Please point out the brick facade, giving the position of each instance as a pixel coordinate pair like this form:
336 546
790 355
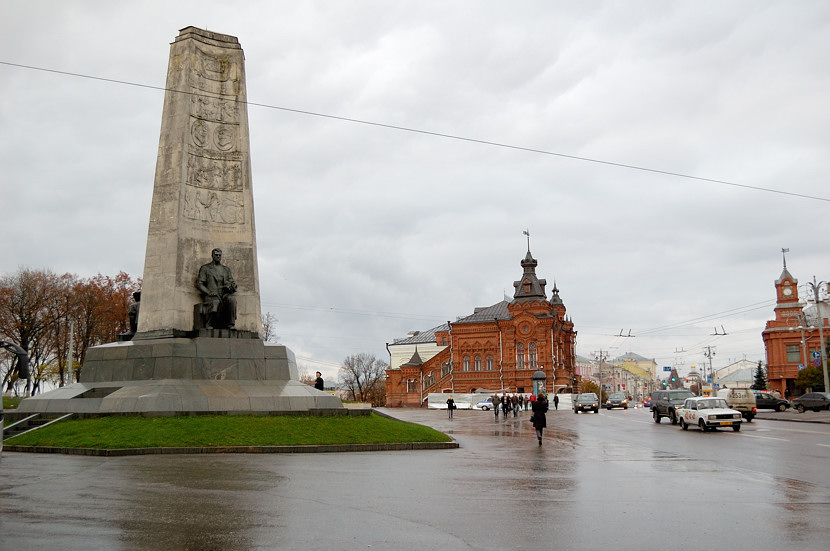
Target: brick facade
790 338
497 348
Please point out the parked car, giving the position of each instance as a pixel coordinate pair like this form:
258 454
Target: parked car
617 400
765 400
486 405
665 402
708 414
815 401
586 401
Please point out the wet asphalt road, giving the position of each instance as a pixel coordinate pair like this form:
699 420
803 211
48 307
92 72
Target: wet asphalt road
610 481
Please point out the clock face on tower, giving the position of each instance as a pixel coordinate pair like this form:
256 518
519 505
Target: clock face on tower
787 291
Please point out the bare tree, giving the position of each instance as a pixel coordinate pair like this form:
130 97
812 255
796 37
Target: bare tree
364 378
269 328
305 376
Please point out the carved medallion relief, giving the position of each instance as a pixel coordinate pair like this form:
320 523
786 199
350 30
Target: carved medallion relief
215 178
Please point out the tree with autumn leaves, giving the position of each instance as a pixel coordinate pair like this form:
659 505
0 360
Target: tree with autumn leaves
39 309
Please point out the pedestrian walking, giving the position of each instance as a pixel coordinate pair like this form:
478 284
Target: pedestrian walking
495 401
539 419
514 402
450 406
505 403
521 401
556 401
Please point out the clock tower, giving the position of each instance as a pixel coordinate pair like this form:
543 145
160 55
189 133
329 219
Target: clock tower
786 291
783 336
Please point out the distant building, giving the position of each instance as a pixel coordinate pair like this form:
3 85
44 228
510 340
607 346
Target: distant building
792 338
740 374
495 349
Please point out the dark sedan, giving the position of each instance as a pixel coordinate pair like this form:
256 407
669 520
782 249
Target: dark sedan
586 401
765 400
815 401
617 400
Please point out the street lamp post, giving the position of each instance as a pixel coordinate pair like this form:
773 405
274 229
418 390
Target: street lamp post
802 326
819 303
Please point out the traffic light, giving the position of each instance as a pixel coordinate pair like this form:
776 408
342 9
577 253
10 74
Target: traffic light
673 379
665 383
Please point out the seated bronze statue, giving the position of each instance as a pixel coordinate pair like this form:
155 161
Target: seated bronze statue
218 289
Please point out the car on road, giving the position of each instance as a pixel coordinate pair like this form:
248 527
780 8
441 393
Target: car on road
587 401
815 401
617 400
742 399
486 405
766 400
708 414
665 402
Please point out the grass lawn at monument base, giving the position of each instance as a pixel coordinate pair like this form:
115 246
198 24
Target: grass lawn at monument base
119 432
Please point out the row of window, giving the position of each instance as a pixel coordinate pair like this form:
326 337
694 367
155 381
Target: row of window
795 356
523 361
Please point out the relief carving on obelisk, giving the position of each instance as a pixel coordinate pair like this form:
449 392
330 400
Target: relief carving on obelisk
214 166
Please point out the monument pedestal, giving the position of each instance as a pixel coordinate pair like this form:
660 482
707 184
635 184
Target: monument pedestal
182 376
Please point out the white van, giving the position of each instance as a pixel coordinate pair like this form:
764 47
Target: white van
741 399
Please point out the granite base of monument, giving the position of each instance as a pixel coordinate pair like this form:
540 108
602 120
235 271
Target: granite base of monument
181 376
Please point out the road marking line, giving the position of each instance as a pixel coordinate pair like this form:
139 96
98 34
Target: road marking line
765 437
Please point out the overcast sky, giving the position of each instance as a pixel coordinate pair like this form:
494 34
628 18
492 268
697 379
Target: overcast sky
366 232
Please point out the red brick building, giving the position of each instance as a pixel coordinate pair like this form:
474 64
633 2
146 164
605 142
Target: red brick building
496 348
792 337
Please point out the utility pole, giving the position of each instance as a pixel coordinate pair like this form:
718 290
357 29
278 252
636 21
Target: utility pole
709 353
815 287
602 355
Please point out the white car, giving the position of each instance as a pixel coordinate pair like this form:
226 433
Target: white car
486 405
708 414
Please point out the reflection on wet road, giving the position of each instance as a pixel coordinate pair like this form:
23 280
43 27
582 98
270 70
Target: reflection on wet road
608 480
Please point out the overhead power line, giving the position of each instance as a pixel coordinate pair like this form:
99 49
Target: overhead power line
439 135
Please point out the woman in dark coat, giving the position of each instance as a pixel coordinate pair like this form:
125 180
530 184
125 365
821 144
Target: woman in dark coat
540 421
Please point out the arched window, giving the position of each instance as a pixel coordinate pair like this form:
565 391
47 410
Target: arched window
520 356
532 353
478 363
466 363
489 363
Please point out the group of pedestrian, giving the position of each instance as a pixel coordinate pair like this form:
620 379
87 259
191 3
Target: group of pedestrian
510 402
515 402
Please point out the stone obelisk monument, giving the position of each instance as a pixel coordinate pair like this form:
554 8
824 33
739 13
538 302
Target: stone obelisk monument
185 357
202 197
